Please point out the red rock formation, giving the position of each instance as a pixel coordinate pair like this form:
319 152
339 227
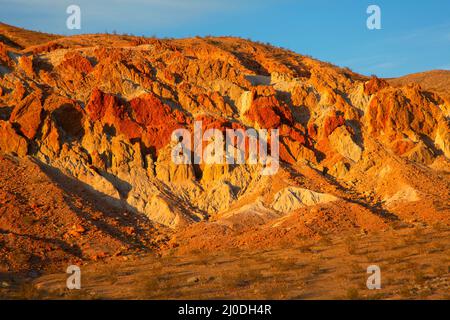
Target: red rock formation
100 103
268 112
5 60
331 123
75 62
26 63
27 115
157 119
147 118
374 85
395 112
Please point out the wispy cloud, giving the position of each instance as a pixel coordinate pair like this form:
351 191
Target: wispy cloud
432 33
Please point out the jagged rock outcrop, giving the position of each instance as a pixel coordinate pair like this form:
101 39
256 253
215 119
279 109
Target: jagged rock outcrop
27 115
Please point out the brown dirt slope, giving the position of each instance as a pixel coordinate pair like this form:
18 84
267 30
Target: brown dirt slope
48 221
19 38
435 80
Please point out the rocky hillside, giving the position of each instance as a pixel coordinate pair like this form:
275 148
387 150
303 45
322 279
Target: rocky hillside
357 153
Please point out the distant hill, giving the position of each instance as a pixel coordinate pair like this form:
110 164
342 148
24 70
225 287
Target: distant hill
435 80
19 38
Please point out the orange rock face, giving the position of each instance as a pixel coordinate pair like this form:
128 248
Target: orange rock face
145 118
394 113
100 104
75 62
331 123
5 60
27 115
157 119
267 111
374 85
27 65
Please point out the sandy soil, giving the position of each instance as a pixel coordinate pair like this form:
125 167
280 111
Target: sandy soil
414 264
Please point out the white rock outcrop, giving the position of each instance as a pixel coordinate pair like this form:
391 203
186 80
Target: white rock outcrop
293 198
342 142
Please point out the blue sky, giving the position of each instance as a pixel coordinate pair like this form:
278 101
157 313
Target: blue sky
415 35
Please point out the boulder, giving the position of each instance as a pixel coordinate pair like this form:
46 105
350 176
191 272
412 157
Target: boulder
27 115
